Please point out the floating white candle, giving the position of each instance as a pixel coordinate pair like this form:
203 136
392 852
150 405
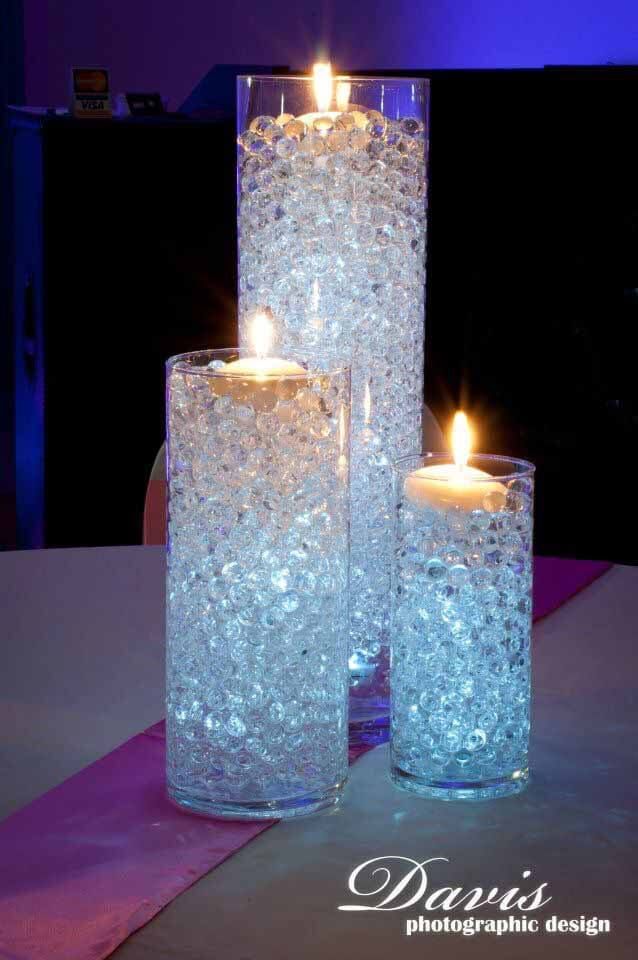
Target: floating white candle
262 378
449 486
323 121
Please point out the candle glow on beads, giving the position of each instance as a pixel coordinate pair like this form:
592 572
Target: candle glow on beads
257 581
332 229
461 624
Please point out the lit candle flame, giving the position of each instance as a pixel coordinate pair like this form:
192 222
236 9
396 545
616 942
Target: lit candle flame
343 95
461 440
261 334
322 83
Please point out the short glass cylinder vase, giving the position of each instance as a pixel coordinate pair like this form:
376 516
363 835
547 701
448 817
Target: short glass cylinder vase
332 232
461 627
257 584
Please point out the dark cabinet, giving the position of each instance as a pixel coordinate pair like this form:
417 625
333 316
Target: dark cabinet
124 242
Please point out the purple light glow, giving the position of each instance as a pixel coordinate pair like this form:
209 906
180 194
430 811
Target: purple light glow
150 45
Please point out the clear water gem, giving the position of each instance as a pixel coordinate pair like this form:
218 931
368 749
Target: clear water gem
260 124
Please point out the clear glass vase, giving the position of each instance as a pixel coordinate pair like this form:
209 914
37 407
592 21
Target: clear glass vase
257 600
332 230
461 628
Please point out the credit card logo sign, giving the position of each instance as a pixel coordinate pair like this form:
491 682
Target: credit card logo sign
90 95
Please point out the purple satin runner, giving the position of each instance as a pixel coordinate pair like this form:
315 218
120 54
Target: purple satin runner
94 859
556 580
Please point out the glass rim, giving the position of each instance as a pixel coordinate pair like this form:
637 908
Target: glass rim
230 353
528 469
368 78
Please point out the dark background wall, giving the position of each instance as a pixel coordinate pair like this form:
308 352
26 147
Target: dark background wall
150 44
11 91
533 248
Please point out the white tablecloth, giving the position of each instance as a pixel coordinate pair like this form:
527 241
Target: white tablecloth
81 669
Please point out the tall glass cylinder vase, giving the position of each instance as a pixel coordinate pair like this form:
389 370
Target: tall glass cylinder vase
257 602
332 230
461 627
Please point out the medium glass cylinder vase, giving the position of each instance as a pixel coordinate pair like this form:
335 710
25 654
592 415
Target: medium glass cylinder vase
257 601
332 230
461 627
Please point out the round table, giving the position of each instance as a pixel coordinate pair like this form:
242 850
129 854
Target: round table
81 670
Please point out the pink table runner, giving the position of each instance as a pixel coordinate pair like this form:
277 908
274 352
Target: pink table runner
94 859
556 580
